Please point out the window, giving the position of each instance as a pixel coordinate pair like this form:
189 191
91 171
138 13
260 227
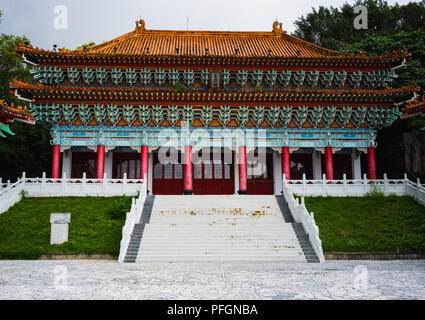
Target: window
168 171
227 171
218 171
197 171
207 170
158 171
178 171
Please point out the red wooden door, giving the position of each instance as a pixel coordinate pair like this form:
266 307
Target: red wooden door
126 162
167 177
301 163
213 176
83 162
260 175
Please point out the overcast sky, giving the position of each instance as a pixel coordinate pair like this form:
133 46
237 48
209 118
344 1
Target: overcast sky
102 20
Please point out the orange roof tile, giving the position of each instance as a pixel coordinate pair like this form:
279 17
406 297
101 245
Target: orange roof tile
218 43
10 112
416 107
194 43
152 94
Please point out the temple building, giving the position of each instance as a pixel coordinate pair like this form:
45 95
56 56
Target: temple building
263 103
11 113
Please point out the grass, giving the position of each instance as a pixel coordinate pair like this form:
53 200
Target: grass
372 223
96 225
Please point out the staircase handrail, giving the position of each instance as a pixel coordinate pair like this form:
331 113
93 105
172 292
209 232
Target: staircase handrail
131 219
301 215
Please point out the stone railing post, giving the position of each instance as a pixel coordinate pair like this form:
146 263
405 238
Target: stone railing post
63 184
365 182
324 185
84 183
43 182
23 179
104 187
344 181
124 183
418 188
385 184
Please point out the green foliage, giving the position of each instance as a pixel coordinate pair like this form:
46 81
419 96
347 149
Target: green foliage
369 223
389 28
25 227
29 149
11 65
375 193
179 87
90 44
333 27
120 207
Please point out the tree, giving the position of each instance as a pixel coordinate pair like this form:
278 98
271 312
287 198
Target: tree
389 28
333 28
29 149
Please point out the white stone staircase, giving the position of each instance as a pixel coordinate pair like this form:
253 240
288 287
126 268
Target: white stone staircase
220 228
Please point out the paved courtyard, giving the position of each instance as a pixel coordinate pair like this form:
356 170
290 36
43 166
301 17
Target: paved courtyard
86 279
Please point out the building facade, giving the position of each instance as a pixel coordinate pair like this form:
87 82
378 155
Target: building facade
210 112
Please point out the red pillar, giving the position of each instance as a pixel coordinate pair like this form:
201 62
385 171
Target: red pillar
144 162
371 165
243 186
286 167
56 155
188 183
329 163
100 164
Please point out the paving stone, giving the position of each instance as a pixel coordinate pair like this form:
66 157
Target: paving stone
87 279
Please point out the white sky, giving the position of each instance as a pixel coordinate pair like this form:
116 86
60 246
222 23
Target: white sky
102 20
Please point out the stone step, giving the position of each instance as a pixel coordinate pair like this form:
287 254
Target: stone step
220 258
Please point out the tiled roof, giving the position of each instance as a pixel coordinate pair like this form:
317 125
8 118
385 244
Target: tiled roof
143 42
139 94
8 113
215 43
416 107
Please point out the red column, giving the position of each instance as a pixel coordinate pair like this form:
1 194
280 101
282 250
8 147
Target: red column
188 184
371 165
286 167
329 163
56 155
144 162
243 186
100 164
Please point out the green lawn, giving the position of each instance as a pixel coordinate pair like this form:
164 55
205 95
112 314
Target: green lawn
346 224
369 223
95 226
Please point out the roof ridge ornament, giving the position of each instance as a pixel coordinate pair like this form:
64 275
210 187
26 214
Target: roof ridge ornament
140 25
277 28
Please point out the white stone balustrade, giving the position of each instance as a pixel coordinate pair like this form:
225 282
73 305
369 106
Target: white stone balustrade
132 217
66 187
358 188
301 215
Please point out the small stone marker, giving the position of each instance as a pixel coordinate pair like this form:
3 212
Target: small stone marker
59 230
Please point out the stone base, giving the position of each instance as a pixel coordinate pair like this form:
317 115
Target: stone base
243 191
187 191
